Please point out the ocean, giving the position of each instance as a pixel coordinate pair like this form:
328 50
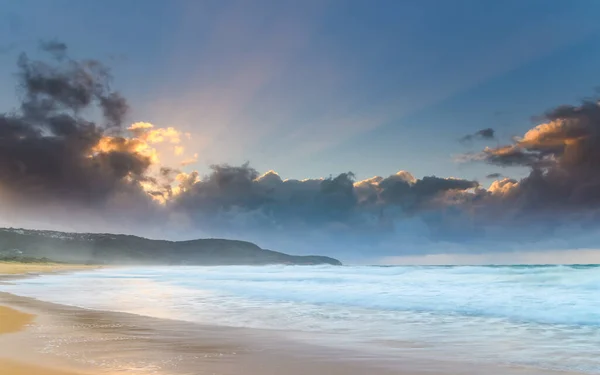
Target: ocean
544 317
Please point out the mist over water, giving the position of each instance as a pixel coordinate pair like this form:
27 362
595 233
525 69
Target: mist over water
539 316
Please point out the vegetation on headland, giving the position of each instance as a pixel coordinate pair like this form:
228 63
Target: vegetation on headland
95 248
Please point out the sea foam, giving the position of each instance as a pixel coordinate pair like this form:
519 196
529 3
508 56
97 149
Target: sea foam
541 316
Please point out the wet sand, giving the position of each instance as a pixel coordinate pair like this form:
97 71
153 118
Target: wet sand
51 339
107 342
13 321
8 367
13 324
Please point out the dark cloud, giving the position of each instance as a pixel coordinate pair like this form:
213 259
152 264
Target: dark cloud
235 200
54 47
564 156
494 175
415 194
484 134
49 151
114 109
510 156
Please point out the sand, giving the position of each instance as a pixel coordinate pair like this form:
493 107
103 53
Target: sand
13 321
101 342
8 367
15 268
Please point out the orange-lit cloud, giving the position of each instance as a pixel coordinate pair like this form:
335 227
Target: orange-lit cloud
109 144
555 133
150 134
184 182
503 187
145 140
189 161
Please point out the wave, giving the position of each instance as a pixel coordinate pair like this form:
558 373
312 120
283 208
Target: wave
548 313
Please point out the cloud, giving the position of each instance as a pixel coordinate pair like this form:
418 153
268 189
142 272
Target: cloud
564 156
47 149
510 156
413 194
67 154
50 152
503 187
189 161
147 132
56 48
237 200
494 175
483 134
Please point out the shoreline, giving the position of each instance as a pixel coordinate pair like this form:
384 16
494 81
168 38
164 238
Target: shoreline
13 324
15 270
91 339
16 342
81 341
69 340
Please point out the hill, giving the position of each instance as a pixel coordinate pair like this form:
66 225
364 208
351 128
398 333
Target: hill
97 248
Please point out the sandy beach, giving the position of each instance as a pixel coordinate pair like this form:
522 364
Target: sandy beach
77 341
8 367
13 322
12 269
50 339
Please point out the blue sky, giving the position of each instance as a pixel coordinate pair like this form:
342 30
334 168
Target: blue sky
315 88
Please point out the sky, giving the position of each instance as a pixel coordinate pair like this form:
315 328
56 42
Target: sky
314 89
